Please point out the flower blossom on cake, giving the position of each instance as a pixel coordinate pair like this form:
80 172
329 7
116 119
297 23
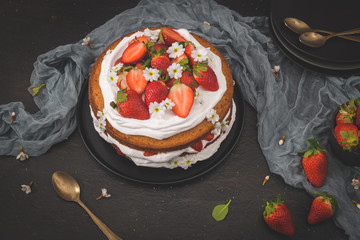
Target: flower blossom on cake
175 50
100 124
168 103
26 187
153 35
157 109
151 74
217 129
212 116
117 67
355 182
224 126
86 42
276 70
186 161
22 156
175 70
113 77
200 54
104 194
101 114
198 96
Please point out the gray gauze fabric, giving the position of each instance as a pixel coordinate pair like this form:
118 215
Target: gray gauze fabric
298 104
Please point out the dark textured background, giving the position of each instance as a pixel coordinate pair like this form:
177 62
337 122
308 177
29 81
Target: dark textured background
135 211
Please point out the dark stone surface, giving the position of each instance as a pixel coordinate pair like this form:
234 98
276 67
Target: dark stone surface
134 211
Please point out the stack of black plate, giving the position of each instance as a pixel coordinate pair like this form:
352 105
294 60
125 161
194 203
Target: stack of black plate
338 56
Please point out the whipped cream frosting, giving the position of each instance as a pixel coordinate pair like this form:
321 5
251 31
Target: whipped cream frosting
169 124
183 158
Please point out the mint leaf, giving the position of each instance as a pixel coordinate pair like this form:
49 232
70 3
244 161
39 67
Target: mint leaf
220 211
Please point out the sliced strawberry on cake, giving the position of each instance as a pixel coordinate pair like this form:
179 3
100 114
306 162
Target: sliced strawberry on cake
197 146
168 36
205 76
188 79
135 79
131 105
189 47
183 97
134 53
155 91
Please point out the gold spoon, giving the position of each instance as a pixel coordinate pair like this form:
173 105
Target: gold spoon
314 39
300 27
68 189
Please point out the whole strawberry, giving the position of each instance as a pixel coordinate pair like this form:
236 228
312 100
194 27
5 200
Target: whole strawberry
155 91
346 113
278 217
322 208
131 105
347 135
315 163
159 60
205 76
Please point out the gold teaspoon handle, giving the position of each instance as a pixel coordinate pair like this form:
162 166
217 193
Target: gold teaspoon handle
108 233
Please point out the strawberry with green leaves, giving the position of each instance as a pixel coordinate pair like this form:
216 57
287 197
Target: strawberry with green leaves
205 76
346 113
347 136
131 105
278 217
159 60
315 163
322 208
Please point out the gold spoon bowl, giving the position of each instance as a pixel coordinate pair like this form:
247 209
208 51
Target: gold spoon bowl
69 190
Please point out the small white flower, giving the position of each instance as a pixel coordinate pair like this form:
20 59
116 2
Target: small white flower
175 70
212 116
207 23
224 126
104 194
186 161
356 183
276 70
200 54
168 103
86 41
22 156
153 35
113 77
100 124
198 96
175 50
157 110
217 129
117 67
151 74
108 52
101 114
26 188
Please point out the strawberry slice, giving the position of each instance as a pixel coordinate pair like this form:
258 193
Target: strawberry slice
118 151
197 146
183 97
134 53
155 91
205 76
136 80
188 49
168 36
182 60
121 83
148 154
209 137
118 61
131 105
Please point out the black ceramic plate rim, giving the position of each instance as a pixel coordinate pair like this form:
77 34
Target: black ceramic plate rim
311 63
214 161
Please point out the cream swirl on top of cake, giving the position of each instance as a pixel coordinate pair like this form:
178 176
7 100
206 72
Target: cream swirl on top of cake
169 124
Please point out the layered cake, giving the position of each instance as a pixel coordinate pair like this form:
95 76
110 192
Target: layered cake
162 97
